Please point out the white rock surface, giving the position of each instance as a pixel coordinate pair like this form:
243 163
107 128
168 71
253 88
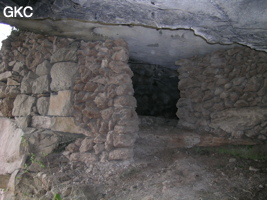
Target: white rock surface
10 146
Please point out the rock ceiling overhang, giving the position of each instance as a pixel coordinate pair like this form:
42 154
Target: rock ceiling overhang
157 31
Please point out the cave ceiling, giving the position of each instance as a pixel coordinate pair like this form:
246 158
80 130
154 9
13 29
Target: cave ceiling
157 31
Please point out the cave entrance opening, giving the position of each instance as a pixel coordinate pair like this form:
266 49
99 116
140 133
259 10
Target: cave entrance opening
155 89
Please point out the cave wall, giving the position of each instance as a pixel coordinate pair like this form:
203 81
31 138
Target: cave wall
52 85
155 89
225 93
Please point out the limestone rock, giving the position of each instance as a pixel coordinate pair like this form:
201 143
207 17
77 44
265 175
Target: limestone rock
86 145
238 119
42 105
23 105
12 91
122 101
43 68
10 81
23 122
11 157
4 76
65 54
65 124
41 85
99 148
72 148
107 113
43 122
60 104
27 82
6 107
43 141
18 67
63 75
121 55
120 79
253 85
125 89
2 91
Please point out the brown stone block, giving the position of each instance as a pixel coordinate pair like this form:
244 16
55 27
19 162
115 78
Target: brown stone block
23 105
6 106
109 141
120 67
72 148
79 97
107 113
124 114
86 145
99 148
91 113
128 101
86 75
111 91
60 104
101 101
120 79
41 122
90 87
79 87
94 126
12 91
88 158
126 89
104 128
65 124
79 106
4 76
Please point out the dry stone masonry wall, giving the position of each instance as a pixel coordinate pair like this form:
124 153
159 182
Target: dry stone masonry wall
62 85
104 102
225 93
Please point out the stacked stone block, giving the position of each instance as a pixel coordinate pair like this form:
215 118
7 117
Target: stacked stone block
104 103
71 86
225 93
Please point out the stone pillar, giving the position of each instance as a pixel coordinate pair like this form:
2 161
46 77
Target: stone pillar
104 103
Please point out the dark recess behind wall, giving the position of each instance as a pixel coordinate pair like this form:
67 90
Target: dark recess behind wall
156 89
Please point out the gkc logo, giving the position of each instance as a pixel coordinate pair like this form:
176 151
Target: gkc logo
17 11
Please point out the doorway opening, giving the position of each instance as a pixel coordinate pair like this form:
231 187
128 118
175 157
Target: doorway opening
155 89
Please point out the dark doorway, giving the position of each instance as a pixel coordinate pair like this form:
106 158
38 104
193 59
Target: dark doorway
156 89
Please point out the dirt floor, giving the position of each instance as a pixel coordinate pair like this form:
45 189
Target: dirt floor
198 173
157 173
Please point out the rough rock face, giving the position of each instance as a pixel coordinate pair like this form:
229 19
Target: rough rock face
224 22
225 92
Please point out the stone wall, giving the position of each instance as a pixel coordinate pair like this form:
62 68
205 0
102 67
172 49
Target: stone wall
155 89
225 93
71 86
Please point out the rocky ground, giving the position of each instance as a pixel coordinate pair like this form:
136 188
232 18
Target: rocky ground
157 173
